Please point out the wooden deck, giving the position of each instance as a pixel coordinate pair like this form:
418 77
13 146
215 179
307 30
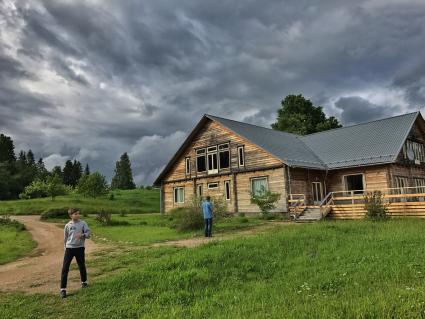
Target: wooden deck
400 202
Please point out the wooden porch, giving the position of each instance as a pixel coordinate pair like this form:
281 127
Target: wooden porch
400 202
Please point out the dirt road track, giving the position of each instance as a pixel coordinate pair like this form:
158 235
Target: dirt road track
40 272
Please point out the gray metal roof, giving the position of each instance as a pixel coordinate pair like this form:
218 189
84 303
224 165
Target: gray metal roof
362 144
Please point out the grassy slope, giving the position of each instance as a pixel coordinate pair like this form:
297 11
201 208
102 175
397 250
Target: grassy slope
14 243
327 270
131 201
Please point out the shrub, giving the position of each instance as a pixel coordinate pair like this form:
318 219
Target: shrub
111 196
265 200
219 208
5 220
243 220
123 213
241 214
187 218
149 188
52 187
105 219
54 213
375 207
93 185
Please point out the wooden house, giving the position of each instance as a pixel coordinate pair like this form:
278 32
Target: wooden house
328 171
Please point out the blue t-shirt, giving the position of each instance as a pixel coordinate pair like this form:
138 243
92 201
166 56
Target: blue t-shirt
207 209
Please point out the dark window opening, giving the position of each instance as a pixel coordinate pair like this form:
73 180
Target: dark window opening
354 183
224 159
200 164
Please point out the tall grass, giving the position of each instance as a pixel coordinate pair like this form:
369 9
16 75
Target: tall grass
357 269
129 201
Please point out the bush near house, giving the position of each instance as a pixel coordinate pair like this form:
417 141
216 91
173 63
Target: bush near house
375 207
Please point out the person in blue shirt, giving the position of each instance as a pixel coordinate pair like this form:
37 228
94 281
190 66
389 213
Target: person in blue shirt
207 209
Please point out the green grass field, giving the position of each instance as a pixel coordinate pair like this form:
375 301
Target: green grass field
356 269
145 229
14 243
131 201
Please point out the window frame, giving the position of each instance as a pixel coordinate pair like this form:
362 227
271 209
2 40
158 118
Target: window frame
175 197
356 192
212 183
227 149
242 147
256 178
227 190
187 165
202 152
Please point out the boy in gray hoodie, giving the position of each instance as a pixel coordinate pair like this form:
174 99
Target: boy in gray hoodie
75 233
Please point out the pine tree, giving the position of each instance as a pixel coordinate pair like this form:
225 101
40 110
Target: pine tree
123 178
42 172
7 149
67 173
87 170
77 172
57 170
30 158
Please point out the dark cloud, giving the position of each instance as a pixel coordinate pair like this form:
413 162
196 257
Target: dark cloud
92 80
358 110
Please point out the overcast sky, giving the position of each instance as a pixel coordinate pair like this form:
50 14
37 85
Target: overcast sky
93 79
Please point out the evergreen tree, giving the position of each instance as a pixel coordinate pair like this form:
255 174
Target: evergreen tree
7 149
57 170
67 173
30 158
42 172
123 178
77 172
298 115
87 170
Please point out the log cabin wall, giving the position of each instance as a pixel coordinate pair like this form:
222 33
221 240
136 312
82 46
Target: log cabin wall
257 163
214 134
374 177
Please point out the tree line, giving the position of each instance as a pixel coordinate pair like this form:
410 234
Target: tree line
23 177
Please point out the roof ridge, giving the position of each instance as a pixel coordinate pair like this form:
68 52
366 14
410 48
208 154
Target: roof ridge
378 120
266 128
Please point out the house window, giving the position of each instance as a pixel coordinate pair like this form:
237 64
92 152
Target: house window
354 183
212 163
179 195
212 185
227 189
199 190
187 165
401 182
259 185
414 151
420 184
241 156
201 161
224 156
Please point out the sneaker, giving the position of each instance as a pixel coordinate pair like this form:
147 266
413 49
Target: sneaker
63 294
84 285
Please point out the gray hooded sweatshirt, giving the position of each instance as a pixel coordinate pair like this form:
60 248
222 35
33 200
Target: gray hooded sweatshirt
70 231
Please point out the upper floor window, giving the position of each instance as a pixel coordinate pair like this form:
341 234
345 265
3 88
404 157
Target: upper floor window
414 151
187 164
241 156
224 156
201 160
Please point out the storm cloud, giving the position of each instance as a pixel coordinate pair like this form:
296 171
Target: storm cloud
93 79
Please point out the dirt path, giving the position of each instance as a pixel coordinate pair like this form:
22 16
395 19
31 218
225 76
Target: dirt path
40 272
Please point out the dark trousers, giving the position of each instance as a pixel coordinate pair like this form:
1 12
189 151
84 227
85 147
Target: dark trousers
70 253
208 227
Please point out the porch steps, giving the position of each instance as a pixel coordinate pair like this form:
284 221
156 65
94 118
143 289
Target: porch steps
310 214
